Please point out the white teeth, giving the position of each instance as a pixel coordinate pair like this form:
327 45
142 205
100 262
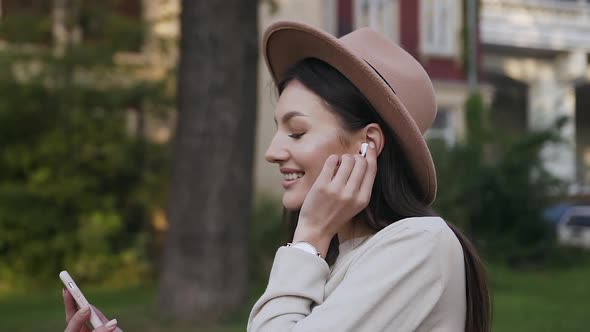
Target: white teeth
292 176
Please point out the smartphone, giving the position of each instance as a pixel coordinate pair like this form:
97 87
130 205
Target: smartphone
70 284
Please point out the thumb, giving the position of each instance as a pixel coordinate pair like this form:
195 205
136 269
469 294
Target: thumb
100 315
109 326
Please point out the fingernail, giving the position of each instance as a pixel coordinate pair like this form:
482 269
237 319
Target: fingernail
111 325
372 145
85 309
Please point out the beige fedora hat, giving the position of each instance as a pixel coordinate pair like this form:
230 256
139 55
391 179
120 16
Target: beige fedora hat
395 84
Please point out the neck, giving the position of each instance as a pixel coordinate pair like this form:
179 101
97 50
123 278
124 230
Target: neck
353 229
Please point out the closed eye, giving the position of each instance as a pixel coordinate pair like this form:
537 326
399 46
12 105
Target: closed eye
296 135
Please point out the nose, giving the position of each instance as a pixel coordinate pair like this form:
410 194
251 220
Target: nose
276 152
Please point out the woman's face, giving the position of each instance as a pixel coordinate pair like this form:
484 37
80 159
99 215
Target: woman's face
307 134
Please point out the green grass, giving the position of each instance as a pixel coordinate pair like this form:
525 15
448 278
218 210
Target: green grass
548 300
134 308
554 300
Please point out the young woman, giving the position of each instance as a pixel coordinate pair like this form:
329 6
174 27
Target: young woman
368 253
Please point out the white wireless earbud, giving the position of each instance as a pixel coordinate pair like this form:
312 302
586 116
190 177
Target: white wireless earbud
364 147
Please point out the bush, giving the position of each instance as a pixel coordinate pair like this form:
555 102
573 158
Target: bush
76 188
495 187
26 28
106 30
268 233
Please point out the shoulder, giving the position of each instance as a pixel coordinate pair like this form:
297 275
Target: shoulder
425 238
423 249
428 227
431 224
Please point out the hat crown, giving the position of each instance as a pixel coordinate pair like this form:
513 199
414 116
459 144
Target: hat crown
400 70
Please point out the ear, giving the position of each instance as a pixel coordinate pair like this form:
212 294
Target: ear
374 134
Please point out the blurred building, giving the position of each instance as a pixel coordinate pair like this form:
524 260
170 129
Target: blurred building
148 52
535 53
532 57
430 30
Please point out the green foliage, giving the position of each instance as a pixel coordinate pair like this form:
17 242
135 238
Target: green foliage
77 189
108 31
494 187
268 233
26 28
102 29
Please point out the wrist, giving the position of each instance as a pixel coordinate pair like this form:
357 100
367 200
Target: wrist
320 241
305 246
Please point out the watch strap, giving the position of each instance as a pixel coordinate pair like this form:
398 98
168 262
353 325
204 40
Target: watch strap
305 246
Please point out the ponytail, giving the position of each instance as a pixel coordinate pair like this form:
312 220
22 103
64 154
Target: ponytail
479 309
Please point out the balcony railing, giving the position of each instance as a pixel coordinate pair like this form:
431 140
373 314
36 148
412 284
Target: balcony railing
543 24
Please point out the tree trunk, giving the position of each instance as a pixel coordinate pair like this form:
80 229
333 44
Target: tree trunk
204 267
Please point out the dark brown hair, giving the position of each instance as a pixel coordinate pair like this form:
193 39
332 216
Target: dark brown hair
395 193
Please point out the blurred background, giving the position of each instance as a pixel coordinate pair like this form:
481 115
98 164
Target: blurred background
132 135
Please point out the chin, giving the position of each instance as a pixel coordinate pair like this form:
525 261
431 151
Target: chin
290 202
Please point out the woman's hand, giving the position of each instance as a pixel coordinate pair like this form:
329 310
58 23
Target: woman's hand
77 319
338 194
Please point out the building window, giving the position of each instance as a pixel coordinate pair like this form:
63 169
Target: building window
379 15
440 23
443 127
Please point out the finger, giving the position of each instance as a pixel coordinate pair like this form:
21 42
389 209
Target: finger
107 327
70 305
369 179
343 173
328 170
357 175
78 321
100 315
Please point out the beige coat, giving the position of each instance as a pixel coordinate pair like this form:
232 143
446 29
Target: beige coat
410 276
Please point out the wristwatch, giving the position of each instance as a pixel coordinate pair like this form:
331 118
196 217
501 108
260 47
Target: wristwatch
305 246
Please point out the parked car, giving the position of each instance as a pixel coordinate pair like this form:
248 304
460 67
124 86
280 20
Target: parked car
552 214
574 227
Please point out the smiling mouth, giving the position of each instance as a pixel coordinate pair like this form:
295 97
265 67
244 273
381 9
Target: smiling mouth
292 176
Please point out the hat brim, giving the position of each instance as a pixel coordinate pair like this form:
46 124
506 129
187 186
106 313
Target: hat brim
286 42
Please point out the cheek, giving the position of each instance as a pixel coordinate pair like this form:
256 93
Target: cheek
314 155
311 156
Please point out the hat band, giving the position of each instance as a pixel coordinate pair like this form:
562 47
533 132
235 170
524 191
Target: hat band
384 80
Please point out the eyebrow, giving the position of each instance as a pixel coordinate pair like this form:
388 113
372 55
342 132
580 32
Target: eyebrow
289 115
